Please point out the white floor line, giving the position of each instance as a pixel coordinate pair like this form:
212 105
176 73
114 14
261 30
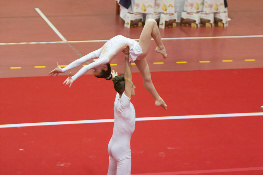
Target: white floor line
207 171
215 37
165 39
50 24
137 119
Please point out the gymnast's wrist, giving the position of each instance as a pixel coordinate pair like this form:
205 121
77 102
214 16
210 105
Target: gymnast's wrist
74 77
63 70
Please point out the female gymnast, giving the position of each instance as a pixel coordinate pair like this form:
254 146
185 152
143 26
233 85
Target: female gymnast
137 53
124 123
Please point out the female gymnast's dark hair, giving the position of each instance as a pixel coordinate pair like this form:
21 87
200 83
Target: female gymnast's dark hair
106 73
119 83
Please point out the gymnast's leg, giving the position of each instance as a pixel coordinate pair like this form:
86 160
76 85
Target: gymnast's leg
124 166
151 30
148 84
112 170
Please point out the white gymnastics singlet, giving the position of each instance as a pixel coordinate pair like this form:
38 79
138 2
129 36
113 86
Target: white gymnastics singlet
119 145
116 42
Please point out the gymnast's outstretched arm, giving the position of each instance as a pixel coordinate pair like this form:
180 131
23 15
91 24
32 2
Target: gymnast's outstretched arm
96 54
102 60
80 61
76 63
98 62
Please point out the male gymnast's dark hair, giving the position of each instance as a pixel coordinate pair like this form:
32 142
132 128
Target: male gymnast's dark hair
119 83
106 73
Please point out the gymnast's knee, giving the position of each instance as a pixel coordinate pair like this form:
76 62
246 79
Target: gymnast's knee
147 78
151 22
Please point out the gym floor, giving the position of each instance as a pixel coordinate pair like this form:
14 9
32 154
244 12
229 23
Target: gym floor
211 82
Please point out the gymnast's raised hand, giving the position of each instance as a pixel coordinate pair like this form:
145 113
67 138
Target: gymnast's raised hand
69 80
56 71
114 74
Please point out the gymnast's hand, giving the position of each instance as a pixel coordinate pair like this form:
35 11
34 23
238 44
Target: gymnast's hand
69 80
56 71
114 74
126 50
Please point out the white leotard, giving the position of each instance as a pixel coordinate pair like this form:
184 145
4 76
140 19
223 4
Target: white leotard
119 145
118 41
105 53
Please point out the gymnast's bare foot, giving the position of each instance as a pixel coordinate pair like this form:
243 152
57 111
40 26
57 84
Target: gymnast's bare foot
160 102
162 51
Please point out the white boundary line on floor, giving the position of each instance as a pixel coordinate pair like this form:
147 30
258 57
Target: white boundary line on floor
207 171
50 24
165 39
137 119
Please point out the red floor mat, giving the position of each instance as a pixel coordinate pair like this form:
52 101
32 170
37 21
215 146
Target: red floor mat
39 99
157 146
